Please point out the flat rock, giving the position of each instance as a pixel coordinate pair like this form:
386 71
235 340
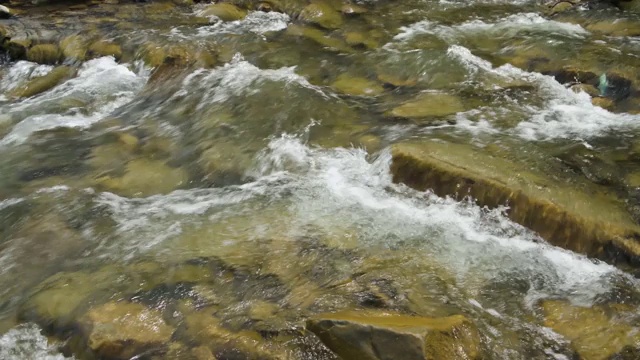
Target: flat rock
430 104
376 335
583 218
321 14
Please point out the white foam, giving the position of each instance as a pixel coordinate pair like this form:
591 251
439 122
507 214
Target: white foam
236 78
565 114
26 342
257 22
506 27
10 202
102 84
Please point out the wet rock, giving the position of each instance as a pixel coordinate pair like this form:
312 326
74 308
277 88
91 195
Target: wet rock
353 9
617 27
319 37
146 177
321 14
123 330
430 104
560 6
357 86
395 80
105 48
381 335
586 88
360 39
43 83
596 333
5 12
224 11
588 162
74 48
603 102
44 54
582 218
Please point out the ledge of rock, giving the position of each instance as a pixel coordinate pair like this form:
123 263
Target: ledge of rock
586 220
380 335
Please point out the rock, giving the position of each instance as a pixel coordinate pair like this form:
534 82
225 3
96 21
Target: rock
430 104
619 27
380 335
105 48
146 177
561 6
357 86
596 333
353 9
224 11
74 48
603 102
43 83
5 12
44 54
360 39
321 14
319 37
580 217
395 80
586 88
123 330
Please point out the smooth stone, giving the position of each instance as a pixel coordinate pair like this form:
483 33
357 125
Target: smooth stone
43 83
603 102
44 54
5 12
352 9
321 14
74 47
428 104
561 7
224 11
319 37
595 333
586 88
124 330
397 80
105 48
619 27
586 219
357 86
360 39
145 177
373 335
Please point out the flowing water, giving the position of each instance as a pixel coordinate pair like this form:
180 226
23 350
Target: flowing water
247 181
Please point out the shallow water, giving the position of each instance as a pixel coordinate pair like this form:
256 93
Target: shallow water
130 183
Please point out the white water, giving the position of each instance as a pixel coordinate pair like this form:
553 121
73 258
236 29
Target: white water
25 342
101 86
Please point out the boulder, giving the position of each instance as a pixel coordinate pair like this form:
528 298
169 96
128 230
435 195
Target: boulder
44 54
123 330
43 83
5 12
358 86
321 14
596 333
74 48
384 336
582 217
319 37
105 48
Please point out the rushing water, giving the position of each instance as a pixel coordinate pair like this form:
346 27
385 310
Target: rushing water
120 178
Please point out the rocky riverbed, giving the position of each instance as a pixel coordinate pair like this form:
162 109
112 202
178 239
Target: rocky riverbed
321 179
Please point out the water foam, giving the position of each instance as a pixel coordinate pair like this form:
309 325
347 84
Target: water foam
102 85
20 72
26 342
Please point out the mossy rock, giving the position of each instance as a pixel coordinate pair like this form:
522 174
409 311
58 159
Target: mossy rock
43 83
429 104
617 27
145 177
44 54
105 48
321 14
224 12
372 335
358 86
596 333
74 48
320 37
582 217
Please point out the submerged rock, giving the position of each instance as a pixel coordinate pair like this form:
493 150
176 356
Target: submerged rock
358 86
583 218
44 54
382 336
146 177
43 83
596 333
74 48
224 11
321 14
428 104
122 330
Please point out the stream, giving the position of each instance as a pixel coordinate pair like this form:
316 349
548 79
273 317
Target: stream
185 181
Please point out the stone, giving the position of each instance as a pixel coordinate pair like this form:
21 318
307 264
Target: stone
43 83
603 102
105 48
145 177
619 27
353 9
319 37
44 54
357 86
581 217
224 12
596 333
561 6
74 48
123 330
377 335
321 14
5 12
586 88
430 104
395 80
354 38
